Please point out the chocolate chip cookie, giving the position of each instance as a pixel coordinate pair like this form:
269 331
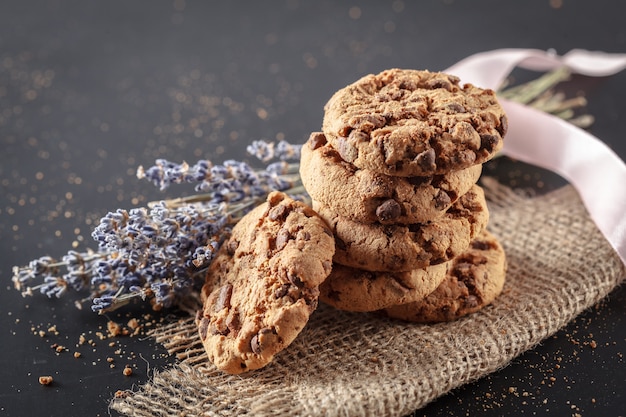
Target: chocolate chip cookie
367 197
414 123
376 247
352 289
475 278
263 284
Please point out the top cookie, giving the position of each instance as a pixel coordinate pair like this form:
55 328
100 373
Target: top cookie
368 197
414 123
263 284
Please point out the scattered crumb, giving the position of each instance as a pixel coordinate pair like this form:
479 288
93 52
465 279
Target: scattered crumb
45 380
77 355
128 371
122 394
115 329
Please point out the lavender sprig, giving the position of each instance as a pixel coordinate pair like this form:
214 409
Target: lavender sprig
266 151
78 266
231 182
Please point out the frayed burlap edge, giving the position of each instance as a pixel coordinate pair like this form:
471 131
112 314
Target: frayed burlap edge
350 364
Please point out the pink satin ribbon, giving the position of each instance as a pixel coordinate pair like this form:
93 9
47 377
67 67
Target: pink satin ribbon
540 139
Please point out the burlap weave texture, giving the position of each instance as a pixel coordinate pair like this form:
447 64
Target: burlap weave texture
356 364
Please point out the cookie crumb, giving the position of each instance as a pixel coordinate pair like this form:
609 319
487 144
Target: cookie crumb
128 371
122 394
45 380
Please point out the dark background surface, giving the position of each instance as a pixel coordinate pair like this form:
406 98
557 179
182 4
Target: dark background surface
90 90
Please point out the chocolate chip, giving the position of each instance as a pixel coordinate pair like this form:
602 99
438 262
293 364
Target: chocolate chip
463 269
418 181
489 142
223 298
348 152
345 131
282 291
426 160
366 123
407 85
442 200
256 344
295 280
388 210
316 140
504 125
202 327
447 84
456 107
282 238
278 213
232 321
219 329
389 95
481 245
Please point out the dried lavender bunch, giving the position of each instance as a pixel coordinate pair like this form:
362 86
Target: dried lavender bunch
160 253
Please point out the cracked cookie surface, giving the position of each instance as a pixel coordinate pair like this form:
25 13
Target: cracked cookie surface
263 284
474 279
376 247
368 197
414 123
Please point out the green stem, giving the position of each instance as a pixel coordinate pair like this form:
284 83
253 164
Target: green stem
527 92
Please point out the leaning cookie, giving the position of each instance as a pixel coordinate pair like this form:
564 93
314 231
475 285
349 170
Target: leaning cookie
376 247
367 197
352 289
414 123
263 284
475 278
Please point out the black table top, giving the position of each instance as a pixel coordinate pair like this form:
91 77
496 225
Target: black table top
90 90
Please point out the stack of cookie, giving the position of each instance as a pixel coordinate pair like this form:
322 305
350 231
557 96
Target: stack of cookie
394 174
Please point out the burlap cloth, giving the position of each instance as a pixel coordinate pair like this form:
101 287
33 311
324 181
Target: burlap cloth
348 364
